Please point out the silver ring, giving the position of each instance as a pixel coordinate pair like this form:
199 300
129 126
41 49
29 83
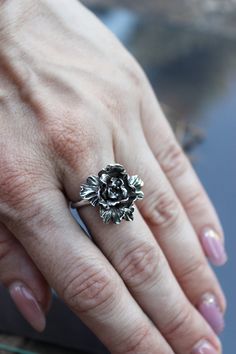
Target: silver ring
113 191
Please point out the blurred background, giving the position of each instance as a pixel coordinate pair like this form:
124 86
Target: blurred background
188 50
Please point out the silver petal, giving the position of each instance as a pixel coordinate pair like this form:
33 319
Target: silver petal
128 214
135 181
105 215
90 193
93 180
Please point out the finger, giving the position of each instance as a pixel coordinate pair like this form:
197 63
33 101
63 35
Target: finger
27 286
81 274
168 221
132 250
183 178
176 236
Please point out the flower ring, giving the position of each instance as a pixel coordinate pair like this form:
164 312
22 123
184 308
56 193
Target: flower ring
113 191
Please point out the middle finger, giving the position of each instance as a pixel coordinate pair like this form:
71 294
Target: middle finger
133 251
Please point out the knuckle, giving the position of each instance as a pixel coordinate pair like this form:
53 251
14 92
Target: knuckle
172 159
194 202
137 342
16 185
30 214
71 140
25 187
160 209
92 288
195 270
140 265
180 324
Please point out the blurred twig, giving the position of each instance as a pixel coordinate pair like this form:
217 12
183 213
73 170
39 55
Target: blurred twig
187 134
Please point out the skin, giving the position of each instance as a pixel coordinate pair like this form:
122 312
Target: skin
72 100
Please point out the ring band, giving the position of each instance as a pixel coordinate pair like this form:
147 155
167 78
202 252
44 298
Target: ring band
113 191
79 204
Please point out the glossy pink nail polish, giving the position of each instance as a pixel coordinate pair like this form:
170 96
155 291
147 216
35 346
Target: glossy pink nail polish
210 310
28 305
213 246
204 347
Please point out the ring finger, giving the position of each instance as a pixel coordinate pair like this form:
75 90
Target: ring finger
182 177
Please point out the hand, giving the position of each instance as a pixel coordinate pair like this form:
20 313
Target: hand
72 101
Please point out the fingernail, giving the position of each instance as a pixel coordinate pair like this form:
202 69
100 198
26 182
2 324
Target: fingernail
204 347
214 247
210 310
28 305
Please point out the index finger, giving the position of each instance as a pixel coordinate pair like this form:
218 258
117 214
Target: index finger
82 276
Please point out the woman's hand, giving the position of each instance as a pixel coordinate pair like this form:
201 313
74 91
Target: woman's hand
72 100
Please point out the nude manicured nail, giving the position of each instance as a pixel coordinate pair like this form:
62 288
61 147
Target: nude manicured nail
204 347
28 305
210 310
214 247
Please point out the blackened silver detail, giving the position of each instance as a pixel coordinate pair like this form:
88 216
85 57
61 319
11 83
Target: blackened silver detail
114 192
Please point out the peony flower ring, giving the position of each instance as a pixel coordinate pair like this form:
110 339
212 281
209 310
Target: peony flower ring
113 191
